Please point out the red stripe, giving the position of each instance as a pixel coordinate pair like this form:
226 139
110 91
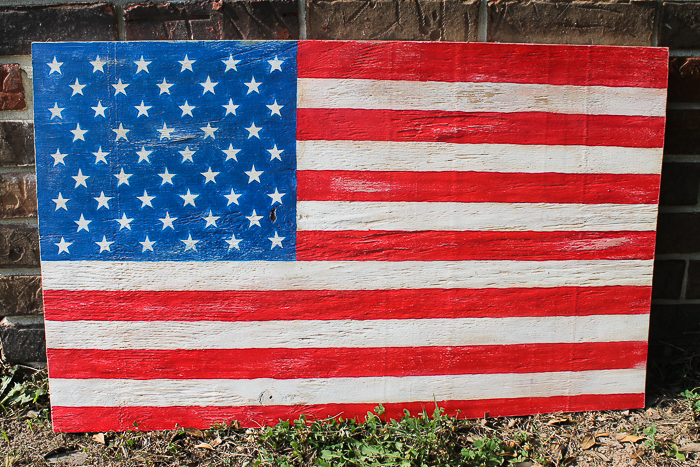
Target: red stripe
512 63
477 187
92 419
317 245
343 362
480 128
64 305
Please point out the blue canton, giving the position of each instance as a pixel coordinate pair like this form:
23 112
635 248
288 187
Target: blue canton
166 151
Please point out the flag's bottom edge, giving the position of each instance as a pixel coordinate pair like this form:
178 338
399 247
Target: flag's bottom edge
94 419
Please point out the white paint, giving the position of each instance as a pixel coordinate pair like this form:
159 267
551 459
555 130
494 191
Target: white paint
298 334
326 93
416 216
339 275
219 392
508 158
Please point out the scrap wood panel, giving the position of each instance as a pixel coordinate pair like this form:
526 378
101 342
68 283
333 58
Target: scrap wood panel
254 231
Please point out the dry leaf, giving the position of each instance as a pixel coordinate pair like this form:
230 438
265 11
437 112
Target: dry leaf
598 435
235 425
194 432
630 439
216 442
637 454
205 446
99 438
559 420
512 422
690 447
588 442
620 436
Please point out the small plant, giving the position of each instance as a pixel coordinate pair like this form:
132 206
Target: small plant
22 388
650 433
693 398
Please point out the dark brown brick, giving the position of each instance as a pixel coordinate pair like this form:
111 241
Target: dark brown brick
19 246
11 88
20 295
675 324
678 233
18 195
668 278
22 25
684 79
23 343
582 22
679 25
16 143
682 131
213 20
679 184
427 20
692 289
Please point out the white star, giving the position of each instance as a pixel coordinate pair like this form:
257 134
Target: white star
58 158
120 88
124 222
165 131
102 200
147 245
187 154
276 241
80 179
275 108
98 65
253 131
231 153
233 242
55 68
61 202
254 175
187 109
143 154
253 86
188 198
78 133
208 86
232 198
209 131
189 243
209 176
104 244
211 220
141 65
143 109
77 88
123 177
230 63
167 177
275 64
145 199
100 156
56 111
164 87
186 64
276 197
275 153
63 245
121 132
254 219
168 221
99 109
82 224
230 107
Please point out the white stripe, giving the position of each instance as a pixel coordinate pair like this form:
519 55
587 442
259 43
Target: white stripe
297 334
339 275
510 158
412 216
267 391
479 97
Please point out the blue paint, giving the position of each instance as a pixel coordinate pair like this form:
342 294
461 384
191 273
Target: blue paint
53 132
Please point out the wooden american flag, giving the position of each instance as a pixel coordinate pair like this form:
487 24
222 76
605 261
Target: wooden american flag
326 226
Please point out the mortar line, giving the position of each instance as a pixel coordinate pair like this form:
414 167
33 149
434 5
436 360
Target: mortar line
482 22
657 25
301 7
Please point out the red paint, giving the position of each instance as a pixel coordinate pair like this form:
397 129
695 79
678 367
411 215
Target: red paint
92 419
477 187
464 246
480 127
500 63
343 362
64 305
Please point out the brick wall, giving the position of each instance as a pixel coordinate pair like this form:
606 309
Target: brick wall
676 294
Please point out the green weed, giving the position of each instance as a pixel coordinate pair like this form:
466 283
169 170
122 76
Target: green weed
693 398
